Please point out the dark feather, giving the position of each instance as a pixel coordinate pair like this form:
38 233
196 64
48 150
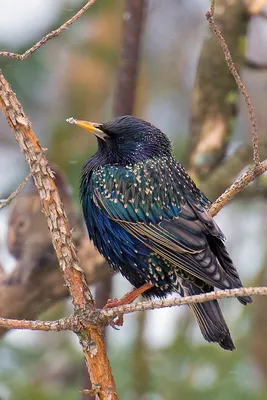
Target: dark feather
209 318
151 222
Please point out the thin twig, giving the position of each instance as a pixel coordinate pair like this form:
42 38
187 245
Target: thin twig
212 7
49 36
63 324
249 176
178 301
73 323
5 202
242 88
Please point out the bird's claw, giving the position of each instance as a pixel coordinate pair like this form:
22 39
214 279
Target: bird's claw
112 303
117 321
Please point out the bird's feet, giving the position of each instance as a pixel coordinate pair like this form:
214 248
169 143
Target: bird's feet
126 299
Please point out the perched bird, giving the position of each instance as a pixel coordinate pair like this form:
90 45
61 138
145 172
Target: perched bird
150 221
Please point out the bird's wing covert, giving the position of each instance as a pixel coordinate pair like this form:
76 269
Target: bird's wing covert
159 204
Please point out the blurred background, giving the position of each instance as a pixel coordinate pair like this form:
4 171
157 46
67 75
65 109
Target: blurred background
184 88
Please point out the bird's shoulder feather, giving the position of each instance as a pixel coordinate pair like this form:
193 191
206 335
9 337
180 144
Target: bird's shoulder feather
158 204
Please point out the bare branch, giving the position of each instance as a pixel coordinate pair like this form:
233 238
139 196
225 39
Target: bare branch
212 7
63 324
49 36
254 172
4 203
96 357
73 323
178 301
233 70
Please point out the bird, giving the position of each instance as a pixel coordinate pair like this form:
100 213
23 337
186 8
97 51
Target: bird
28 237
149 220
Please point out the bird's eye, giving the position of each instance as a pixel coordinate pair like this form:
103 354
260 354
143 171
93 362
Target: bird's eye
120 139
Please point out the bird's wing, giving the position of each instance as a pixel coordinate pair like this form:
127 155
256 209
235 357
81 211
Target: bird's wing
159 204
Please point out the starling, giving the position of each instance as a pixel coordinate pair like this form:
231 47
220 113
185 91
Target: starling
149 220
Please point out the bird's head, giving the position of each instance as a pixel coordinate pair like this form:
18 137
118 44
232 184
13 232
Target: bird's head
128 139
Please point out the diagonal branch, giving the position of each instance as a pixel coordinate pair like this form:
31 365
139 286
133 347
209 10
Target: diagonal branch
4 203
96 357
249 176
243 90
49 36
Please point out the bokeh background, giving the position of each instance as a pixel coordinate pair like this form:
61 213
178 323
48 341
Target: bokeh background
157 355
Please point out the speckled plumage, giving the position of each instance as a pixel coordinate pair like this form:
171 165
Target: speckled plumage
150 221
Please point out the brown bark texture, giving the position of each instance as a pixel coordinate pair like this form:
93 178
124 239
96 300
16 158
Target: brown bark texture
95 355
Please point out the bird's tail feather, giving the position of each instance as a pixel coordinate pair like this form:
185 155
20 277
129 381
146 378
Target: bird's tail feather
218 248
210 319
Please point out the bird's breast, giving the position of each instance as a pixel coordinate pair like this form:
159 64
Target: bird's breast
111 240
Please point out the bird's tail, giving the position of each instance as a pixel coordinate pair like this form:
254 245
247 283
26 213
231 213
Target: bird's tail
218 248
210 319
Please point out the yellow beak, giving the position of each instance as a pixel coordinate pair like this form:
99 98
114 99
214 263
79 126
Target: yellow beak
89 126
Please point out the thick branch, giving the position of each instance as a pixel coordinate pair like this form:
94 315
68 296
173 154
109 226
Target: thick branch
133 16
50 199
36 283
51 35
97 362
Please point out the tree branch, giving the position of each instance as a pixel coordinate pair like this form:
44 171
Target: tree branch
178 301
92 321
64 324
88 317
133 16
254 172
4 203
49 36
233 70
96 358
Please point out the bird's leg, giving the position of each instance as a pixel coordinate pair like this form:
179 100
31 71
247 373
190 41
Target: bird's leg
127 299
